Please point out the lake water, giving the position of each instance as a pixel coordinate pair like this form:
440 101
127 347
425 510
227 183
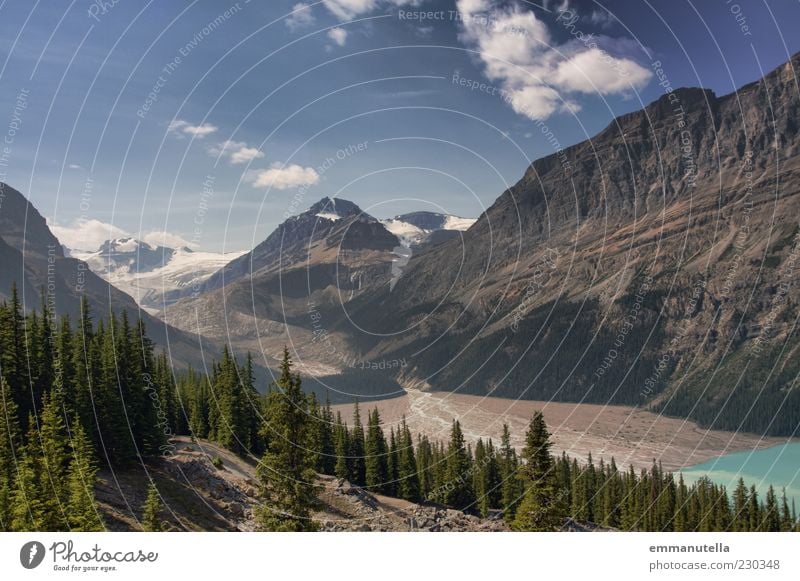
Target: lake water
778 466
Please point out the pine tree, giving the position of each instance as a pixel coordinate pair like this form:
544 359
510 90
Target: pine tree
12 349
771 517
151 511
458 479
740 514
542 507
82 510
327 441
357 465
342 446
28 503
392 465
9 451
425 468
612 496
51 444
787 522
408 483
376 454
286 471
510 483
753 510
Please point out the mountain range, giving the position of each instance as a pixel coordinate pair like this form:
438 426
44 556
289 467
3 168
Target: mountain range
153 275
654 265
33 260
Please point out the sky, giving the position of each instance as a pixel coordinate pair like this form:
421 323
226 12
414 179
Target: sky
209 122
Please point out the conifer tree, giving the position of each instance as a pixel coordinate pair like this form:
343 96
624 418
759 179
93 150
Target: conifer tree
28 504
50 443
327 441
458 480
392 465
408 483
510 483
286 471
542 508
376 454
357 465
151 511
12 352
342 445
740 514
82 509
425 471
9 451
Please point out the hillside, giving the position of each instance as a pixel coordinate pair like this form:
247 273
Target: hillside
651 264
199 497
32 258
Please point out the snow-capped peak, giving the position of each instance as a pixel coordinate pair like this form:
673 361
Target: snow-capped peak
416 228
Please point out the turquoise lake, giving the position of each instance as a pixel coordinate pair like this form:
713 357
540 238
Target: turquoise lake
778 466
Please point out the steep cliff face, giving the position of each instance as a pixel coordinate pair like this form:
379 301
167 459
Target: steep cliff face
649 264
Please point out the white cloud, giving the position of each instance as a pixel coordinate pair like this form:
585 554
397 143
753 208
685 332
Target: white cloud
179 126
338 35
75 166
89 235
595 70
539 77
237 152
86 235
283 177
301 17
168 239
350 9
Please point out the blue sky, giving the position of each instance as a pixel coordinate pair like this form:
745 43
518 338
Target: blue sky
210 121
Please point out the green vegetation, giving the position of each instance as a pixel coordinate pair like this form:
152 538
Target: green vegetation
96 395
151 519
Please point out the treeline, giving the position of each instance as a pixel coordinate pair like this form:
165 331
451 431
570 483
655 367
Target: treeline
74 397
536 491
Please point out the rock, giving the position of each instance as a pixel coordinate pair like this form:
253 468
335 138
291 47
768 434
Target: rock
236 509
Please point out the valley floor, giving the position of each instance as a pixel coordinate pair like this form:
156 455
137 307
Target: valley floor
633 436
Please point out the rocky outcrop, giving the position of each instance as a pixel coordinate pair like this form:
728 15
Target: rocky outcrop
351 508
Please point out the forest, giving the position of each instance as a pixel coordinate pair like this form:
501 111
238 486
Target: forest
79 396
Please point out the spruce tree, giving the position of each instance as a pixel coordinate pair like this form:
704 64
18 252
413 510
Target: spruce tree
342 446
28 502
376 454
50 443
458 480
392 465
357 444
510 483
326 462
151 511
286 471
408 483
9 451
542 508
82 509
